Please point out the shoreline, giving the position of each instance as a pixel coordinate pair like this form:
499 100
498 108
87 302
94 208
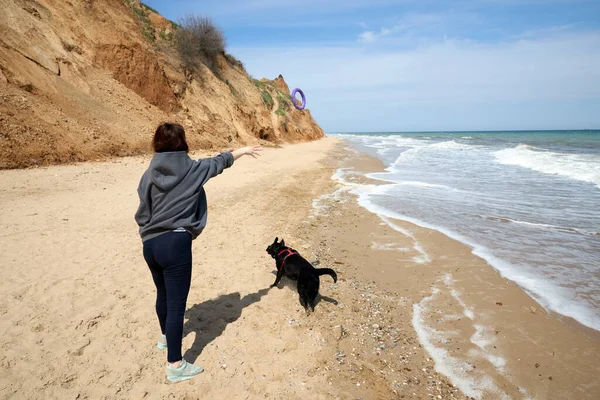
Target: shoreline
78 301
79 320
504 326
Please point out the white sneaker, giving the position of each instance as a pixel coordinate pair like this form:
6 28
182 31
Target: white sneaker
162 342
186 371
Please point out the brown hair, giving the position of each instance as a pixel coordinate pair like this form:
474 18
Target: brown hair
169 137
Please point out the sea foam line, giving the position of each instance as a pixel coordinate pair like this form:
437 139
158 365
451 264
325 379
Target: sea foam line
423 257
549 295
479 338
460 373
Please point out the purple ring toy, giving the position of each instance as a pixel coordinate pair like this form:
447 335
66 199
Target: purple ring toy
294 99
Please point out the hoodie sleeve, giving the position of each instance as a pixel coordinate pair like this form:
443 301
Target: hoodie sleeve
211 167
144 211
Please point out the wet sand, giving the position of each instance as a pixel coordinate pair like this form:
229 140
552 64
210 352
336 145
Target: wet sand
482 330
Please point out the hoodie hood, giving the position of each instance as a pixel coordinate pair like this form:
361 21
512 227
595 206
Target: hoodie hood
172 195
168 169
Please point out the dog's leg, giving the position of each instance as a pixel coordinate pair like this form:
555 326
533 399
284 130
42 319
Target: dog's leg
312 305
278 278
303 303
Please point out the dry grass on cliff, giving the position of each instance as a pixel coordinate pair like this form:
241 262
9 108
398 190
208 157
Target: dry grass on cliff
199 41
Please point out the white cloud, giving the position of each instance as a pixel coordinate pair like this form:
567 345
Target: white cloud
417 24
557 67
532 33
370 36
367 37
441 76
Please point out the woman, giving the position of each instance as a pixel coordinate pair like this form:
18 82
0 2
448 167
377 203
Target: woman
172 213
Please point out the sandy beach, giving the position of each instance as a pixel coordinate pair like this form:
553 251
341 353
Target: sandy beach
414 314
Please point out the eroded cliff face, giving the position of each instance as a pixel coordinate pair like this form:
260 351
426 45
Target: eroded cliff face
85 79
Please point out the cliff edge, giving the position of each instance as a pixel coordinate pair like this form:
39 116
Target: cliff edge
83 79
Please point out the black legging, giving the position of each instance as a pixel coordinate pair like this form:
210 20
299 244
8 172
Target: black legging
169 257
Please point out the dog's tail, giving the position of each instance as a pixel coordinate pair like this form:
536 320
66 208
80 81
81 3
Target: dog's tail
327 271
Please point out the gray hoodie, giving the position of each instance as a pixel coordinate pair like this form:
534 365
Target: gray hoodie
171 193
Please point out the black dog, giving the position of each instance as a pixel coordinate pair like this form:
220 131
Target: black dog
291 264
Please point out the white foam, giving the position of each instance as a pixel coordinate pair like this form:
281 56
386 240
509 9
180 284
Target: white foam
581 167
388 247
322 204
407 156
483 340
458 371
384 151
452 145
466 310
423 257
343 176
319 205
550 295
338 175
544 226
383 141
479 338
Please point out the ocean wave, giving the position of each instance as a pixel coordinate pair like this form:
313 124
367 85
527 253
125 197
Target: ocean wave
549 291
452 145
408 156
385 151
542 226
384 141
549 294
417 152
580 167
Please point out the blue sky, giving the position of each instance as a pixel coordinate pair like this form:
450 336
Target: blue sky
421 65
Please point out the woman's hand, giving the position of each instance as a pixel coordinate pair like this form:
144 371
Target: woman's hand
253 151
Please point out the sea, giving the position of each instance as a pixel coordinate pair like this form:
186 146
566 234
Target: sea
528 202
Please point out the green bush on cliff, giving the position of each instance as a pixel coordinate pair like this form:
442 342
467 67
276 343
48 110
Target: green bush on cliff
267 98
141 14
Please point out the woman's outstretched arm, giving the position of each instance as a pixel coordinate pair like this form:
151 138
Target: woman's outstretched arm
249 151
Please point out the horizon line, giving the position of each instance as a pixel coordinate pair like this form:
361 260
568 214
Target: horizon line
470 131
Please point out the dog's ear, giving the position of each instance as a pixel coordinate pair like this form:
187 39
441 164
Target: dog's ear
275 241
282 242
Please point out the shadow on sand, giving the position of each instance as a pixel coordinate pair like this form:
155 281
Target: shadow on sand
210 318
